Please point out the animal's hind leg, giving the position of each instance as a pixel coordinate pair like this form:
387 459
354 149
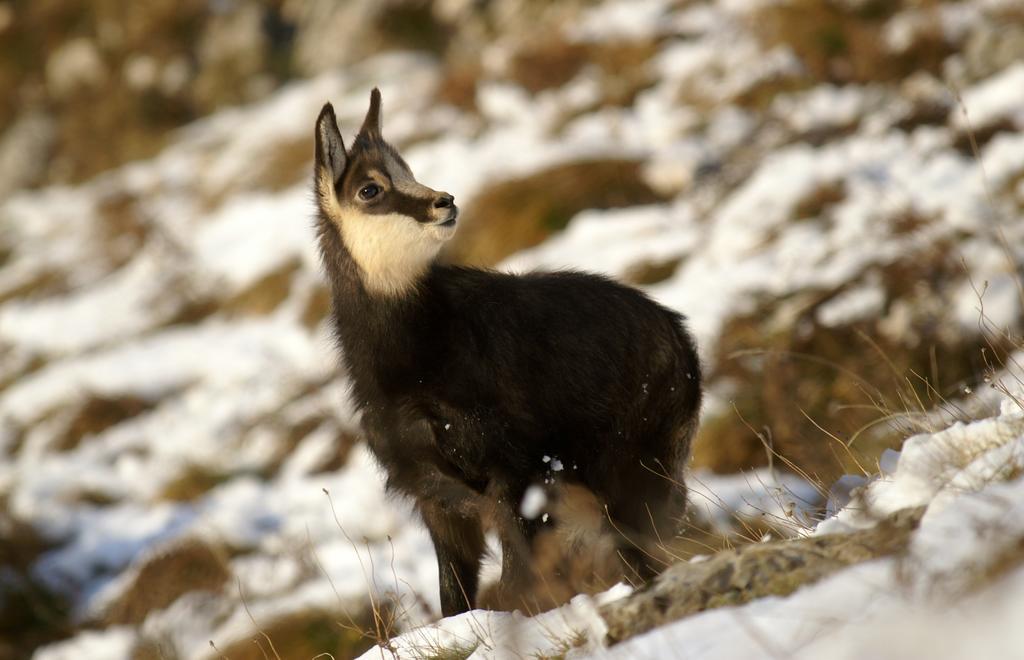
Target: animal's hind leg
644 519
459 544
516 535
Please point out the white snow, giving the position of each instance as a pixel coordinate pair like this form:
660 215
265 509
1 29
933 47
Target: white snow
933 468
997 98
249 237
533 502
612 241
118 307
825 106
781 501
572 627
621 19
110 644
852 305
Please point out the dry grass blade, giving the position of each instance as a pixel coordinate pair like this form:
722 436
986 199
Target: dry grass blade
765 439
383 620
265 636
837 439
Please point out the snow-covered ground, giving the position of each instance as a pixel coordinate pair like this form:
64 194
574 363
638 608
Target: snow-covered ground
194 379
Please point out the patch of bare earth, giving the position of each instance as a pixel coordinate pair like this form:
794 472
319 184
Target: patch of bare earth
184 567
30 614
307 634
519 213
828 399
843 42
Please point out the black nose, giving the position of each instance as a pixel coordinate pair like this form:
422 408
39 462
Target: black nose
444 201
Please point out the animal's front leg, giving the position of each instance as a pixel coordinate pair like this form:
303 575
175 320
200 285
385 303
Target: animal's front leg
451 512
449 506
459 544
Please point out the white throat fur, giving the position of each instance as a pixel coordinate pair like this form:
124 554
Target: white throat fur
393 251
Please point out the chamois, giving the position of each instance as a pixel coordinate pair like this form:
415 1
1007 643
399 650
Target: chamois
472 382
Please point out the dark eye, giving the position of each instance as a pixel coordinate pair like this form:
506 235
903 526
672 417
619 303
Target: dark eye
369 191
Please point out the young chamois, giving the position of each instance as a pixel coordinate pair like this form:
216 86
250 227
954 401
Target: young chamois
472 383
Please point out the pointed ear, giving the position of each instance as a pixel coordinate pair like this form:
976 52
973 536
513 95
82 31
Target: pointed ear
371 125
330 148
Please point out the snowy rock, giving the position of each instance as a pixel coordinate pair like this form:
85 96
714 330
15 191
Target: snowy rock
760 570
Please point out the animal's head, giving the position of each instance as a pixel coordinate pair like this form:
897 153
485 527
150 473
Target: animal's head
392 225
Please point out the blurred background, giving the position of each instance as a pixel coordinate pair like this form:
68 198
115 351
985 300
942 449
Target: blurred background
832 192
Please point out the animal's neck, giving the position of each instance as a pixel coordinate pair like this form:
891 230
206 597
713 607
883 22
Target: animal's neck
366 320
392 251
